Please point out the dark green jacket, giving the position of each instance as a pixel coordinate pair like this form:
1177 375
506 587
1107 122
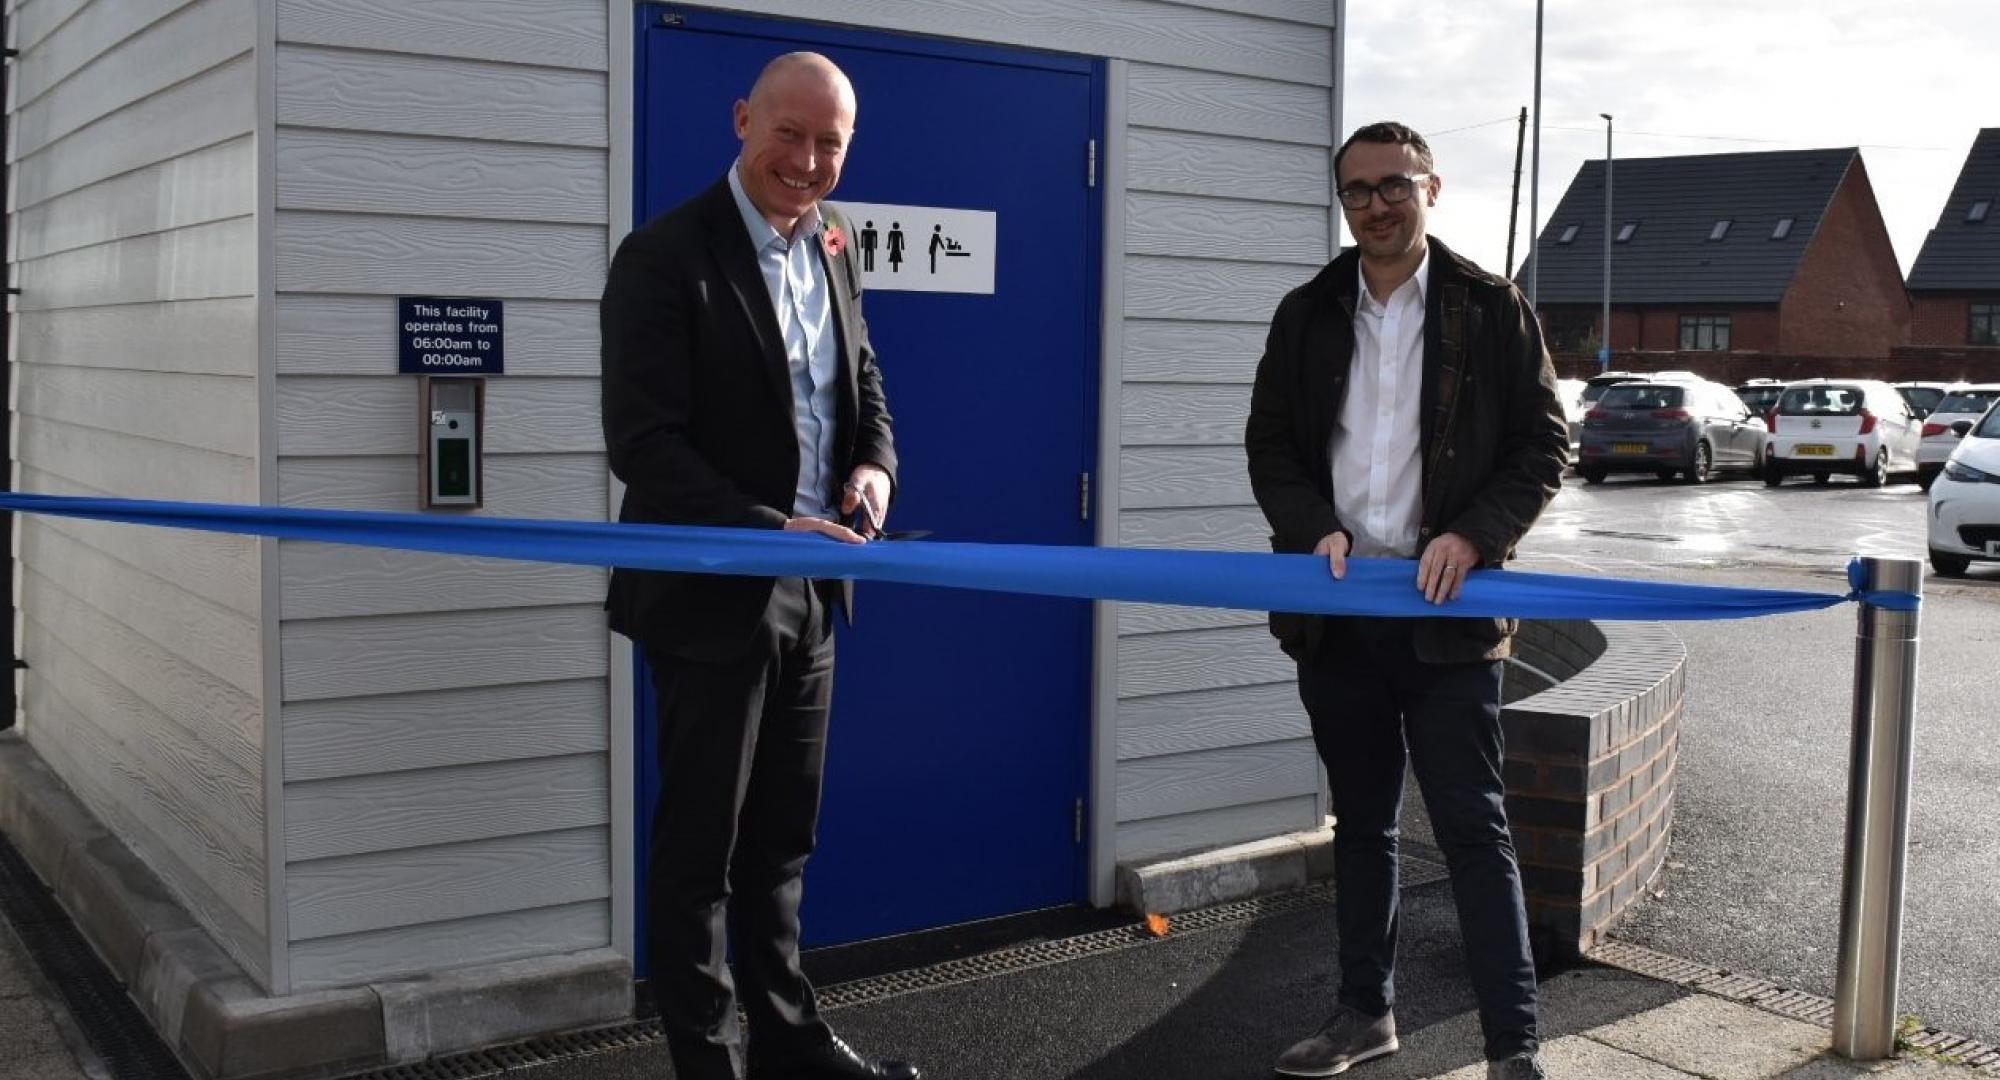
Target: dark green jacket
1494 440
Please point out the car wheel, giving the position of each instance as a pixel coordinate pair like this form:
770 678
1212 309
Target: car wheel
1592 476
1926 477
1704 464
1665 474
1949 565
1877 474
1773 476
1819 478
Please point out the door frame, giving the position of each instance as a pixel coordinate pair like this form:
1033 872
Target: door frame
1100 834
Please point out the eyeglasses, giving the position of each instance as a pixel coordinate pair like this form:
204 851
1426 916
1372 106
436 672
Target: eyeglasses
1393 190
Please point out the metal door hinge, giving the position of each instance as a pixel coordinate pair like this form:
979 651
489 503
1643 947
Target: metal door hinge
1079 820
1083 496
1090 166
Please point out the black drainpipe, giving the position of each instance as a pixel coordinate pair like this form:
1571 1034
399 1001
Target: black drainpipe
14 663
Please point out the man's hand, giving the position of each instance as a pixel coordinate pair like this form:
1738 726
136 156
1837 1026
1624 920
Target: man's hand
868 489
1334 547
825 528
1441 572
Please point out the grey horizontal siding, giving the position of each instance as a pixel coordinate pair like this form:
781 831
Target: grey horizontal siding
436 946
457 812
417 95
134 247
331 334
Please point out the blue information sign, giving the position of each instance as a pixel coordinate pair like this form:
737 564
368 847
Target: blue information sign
449 335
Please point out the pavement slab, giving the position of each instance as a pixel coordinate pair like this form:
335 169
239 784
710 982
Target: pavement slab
1717 1039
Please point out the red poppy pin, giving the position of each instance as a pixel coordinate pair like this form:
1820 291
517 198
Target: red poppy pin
835 240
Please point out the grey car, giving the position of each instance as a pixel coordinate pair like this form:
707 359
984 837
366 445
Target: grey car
1690 429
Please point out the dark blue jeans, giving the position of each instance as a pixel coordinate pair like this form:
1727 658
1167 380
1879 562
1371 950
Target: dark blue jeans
1374 706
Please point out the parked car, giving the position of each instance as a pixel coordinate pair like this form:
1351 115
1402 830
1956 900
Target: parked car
1939 438
1965 500
1862 427
1593 387
1923 396
1570 391
1760 394
1666 428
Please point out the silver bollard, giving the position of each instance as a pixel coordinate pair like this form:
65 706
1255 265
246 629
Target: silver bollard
1878 817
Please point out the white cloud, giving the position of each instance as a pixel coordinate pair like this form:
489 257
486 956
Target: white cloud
1911 83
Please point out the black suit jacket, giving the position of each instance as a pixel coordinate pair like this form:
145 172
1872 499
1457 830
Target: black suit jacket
1494 438
698 411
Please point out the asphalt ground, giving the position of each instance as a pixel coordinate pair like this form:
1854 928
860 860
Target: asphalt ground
1752 882
1215 1004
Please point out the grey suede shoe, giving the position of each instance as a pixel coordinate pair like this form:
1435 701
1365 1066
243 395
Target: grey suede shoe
1348 1038
1526 1066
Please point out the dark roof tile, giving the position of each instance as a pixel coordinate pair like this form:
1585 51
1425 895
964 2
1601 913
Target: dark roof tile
1959 254
1677 201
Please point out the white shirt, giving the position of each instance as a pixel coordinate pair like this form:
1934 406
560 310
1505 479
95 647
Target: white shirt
802 301
1378 478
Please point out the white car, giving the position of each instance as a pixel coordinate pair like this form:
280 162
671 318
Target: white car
1965 501
1940 439
1861 427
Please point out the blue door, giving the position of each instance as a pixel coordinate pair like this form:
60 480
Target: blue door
957 767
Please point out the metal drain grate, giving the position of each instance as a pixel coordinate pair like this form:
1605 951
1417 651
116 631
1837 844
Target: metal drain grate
110 1021
478 1064
1769 996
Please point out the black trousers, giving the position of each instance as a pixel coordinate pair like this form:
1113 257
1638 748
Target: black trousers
742 745
1375 706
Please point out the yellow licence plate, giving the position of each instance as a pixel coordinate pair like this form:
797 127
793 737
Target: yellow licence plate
1629 448
1813 450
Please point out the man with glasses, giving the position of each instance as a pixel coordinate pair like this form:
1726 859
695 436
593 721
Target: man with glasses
1405 408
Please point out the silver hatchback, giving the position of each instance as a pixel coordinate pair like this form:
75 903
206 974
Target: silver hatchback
1691 429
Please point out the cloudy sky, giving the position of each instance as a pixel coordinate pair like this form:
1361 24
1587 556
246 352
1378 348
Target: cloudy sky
1909 81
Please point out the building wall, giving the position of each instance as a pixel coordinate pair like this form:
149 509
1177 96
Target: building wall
1658 329
134 243
1847 298
1945 319
1941 320
446 789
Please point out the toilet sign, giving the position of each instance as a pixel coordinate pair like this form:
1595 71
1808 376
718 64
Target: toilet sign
922 248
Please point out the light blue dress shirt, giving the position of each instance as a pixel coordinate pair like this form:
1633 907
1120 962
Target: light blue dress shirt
800 295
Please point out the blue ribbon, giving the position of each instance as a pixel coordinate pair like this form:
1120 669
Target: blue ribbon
1251 581
1886 599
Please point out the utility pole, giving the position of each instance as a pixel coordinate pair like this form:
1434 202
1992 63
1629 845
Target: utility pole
1604 343
1535 169
1514 208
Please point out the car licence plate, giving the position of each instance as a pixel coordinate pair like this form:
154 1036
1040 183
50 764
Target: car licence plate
1629 448
1813 450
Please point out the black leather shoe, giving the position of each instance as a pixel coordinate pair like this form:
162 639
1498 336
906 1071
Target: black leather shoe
837 1061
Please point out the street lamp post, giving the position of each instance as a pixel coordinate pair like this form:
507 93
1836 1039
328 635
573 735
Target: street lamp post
1604 340
1535 175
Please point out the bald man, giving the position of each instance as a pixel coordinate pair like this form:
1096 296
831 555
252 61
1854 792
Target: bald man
740 390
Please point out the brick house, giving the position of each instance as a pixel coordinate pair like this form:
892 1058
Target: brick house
1955 284
1736 265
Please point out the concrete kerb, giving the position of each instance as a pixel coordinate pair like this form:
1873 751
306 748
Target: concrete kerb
219 1021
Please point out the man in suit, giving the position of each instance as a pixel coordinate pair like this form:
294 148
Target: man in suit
1405 408
740 390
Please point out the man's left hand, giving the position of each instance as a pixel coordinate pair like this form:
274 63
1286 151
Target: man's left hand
1441 572
868 489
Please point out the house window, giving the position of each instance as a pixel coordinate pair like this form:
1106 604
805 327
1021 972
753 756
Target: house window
1626 230
1721 230
1569 233
1978 212
1572 332
1783 229
1704 333
1984 326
